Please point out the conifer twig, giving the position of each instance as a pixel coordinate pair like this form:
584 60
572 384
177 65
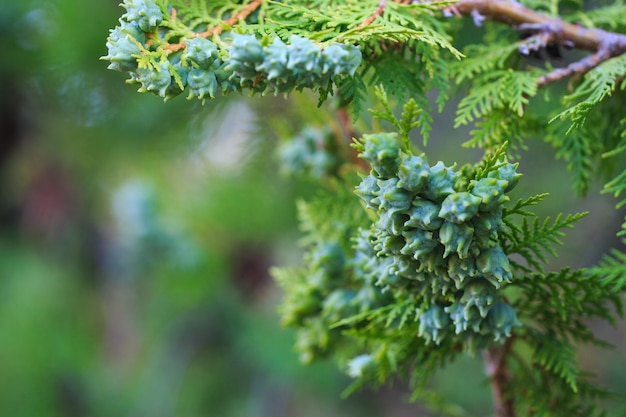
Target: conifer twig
604 44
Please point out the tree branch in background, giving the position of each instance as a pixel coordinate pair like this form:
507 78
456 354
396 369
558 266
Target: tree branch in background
348 134
605 45
496 371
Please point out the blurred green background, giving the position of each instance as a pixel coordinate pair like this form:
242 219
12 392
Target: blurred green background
136 237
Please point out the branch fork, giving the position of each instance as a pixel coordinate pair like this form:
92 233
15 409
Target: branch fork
603 44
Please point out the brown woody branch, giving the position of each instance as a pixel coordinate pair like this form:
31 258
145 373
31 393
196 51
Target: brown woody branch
241 15
499 377
579 67
379 11
603 44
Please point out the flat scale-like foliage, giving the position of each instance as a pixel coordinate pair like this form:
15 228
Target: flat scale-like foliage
420 262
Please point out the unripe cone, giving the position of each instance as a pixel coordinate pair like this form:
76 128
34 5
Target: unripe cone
433 324
494 265
486 226
246 49
383 153
434 261
461 270
392 222
274 60
122 44
418 243
440 284
202 83
303 55
412 172
406 268
332 58
424 214
491 193
368 189
444 245
507 172
229 81
385 274
156 81
391 197
459 207
349 63
456 237
441 180
145 12
179 81
388 245
465 318
480 294
201 52
361 366
501 320
244 54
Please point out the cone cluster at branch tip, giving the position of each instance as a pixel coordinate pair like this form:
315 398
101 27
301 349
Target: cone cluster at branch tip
207 69
438 240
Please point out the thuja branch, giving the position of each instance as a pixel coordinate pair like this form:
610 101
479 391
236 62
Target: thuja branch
604 44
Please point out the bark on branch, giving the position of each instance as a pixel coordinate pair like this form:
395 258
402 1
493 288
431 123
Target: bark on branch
499 377
603 44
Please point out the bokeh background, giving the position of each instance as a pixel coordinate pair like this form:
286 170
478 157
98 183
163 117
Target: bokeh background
136 238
